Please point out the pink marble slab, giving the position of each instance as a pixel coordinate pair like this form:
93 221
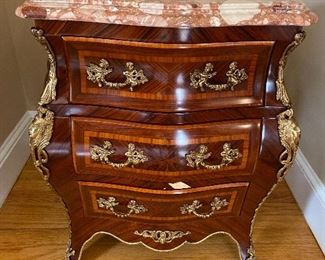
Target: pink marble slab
172 13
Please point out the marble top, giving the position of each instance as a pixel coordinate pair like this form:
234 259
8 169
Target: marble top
172 13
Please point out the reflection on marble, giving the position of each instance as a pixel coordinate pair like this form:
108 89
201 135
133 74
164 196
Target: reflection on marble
172 13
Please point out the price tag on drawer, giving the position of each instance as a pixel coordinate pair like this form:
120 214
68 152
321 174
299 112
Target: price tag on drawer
179 185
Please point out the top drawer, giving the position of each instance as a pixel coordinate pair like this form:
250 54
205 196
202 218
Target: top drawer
167 77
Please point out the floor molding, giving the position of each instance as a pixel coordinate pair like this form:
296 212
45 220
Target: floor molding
309 193
13 155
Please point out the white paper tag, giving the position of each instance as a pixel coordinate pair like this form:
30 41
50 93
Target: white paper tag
179 185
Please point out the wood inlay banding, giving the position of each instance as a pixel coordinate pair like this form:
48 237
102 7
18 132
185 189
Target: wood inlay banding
162 205
167 150
168 69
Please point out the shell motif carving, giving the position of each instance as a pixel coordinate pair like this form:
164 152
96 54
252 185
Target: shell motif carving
162 237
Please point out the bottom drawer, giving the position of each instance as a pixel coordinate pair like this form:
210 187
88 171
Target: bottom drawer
115 201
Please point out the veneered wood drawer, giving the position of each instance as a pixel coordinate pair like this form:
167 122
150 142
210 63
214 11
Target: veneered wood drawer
108 200
168 151
168 69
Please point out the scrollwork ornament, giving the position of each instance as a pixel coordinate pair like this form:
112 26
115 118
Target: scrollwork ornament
49 93
289 136
196 159
200 79
40 133
69 253
251 255
216 204
162 237
98 73
282 94
110 203
102 154
41 129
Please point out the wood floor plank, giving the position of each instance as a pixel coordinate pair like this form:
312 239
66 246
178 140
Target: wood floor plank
33 244
34 225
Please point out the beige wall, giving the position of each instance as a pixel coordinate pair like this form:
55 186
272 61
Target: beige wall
31 57
22 67
12 98
306 83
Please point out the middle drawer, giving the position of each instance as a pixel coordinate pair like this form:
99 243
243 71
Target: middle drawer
122 149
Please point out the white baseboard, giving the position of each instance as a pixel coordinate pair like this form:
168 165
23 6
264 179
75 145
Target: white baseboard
309 193
14 153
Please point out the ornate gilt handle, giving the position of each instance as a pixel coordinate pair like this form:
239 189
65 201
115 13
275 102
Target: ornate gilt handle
162 237
102 154
216 205
97 74
199 79
111 202
197 159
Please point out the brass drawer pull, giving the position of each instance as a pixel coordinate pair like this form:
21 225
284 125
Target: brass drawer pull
162 237
216 205
111 202
196 159
97 74
102 154
199 80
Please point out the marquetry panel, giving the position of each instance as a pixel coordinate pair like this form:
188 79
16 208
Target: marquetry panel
163 205
164 146
167 68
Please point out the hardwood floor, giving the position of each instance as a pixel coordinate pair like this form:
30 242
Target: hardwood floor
34 225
